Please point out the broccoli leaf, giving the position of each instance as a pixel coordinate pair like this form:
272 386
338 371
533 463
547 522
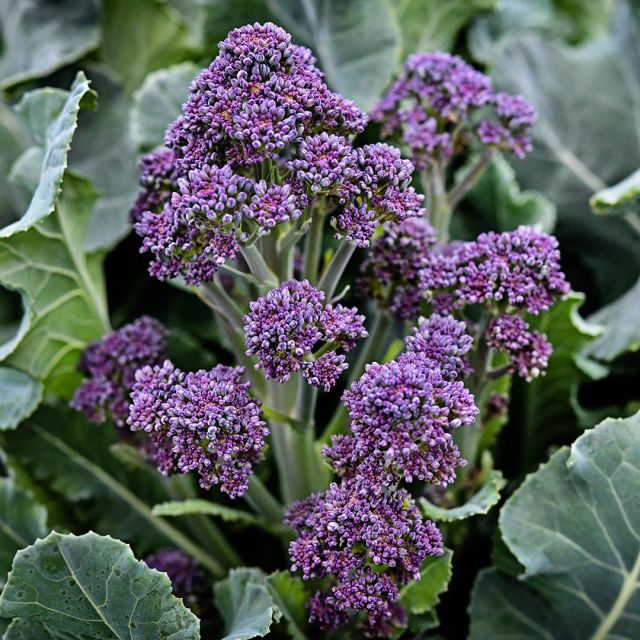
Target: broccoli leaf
20 395
246 604
91 586
38 38
575 528
479 504
158 102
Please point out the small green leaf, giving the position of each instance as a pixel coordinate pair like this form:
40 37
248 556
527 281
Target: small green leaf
291 596
419 596
40 38
481 503
622 197
574 526
92 586
621 322
20 395
500 204
158 102
22 522
357 42
197 506
246 604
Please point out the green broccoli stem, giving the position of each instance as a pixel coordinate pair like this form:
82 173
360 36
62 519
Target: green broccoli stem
468 437
433 180
313 246
470 179
334 270
263 502
294 451
258 266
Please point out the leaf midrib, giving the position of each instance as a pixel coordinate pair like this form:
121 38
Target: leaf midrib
84 593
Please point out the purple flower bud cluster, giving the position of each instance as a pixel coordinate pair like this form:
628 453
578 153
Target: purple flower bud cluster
260 139
195 233
109 366
391 272
368 543
402 414
259 95
203 421
188 580
382 193
365 532
528 351
444 341
440 105
514 269
283 328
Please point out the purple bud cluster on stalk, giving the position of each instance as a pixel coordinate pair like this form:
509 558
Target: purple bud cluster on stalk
440 105
283 327
261 140
365 533
109 366
203 421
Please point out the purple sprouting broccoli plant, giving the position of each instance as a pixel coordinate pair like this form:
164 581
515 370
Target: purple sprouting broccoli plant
261 180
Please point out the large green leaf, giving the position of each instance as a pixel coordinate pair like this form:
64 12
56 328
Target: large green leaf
167 38
20 395
621 197
51 115
544 411
430 25
574 526
576 131
479 504
571 20
92 586
621 321
158 102
13 141
40 37
63 288
221 16
199 506
22 521
70 458
246 604
357 42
